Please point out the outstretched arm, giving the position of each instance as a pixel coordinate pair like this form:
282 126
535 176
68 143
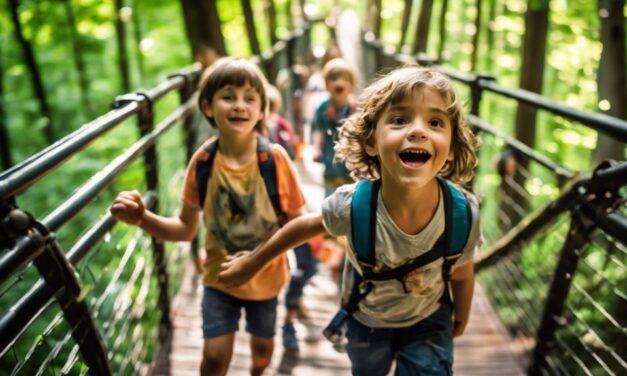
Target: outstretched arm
462 286
237 270
128 207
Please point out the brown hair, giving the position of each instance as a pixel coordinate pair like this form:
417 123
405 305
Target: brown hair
338 67
358 130
236 72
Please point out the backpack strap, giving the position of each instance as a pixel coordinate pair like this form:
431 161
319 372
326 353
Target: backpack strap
449 246
364 220
457 224
203 170
267 168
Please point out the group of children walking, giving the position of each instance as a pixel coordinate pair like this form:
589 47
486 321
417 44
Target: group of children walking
406 135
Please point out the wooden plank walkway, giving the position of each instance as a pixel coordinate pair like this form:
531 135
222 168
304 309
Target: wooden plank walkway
485 348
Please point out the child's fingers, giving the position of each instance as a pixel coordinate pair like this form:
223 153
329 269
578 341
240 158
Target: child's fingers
128 202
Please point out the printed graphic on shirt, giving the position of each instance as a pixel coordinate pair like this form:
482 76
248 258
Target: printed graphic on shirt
237 224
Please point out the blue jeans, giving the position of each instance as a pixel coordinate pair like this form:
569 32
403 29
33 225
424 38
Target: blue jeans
306 267
426 348
221 313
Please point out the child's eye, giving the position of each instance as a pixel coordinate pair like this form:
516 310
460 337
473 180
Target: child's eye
398 120
436 123
227 97
251 99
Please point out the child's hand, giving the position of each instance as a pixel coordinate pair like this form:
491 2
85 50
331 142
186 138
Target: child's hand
128 207
236 269
458 328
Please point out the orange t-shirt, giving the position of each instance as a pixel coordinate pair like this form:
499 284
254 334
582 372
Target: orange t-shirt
238 215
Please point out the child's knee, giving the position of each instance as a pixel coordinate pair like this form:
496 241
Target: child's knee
213 364
262 349
261 362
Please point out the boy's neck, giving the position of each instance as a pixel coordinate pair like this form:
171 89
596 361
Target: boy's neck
411 209
339 103
237 151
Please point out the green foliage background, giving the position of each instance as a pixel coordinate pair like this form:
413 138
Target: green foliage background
157 46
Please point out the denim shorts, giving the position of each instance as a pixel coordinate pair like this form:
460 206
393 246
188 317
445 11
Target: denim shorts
426 348
221 313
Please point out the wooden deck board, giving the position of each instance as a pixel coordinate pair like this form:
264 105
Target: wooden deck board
483 350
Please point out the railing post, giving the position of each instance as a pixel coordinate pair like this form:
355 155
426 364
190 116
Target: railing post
476 91
600 201
146 124
191 137
60 279
558 292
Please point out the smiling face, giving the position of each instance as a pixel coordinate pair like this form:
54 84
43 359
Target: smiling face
412 140
235 109
340 87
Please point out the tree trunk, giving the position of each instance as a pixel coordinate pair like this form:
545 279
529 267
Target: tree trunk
5 152
31 63
203 26
490 37
532 66
373 17
289 13
422 29
79 61
250 27
301 9
611 76
138 36
377 18
120 32
442 30
475 38
405 23
532 69
271 17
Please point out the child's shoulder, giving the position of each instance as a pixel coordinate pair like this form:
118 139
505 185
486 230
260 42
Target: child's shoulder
202 152
323 105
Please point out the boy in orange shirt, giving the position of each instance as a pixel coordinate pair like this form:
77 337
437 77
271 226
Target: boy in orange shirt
237 211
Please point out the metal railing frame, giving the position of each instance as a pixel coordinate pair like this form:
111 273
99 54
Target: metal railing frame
24 239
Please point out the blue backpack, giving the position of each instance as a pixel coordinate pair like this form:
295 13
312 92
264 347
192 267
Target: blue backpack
457 220
267 168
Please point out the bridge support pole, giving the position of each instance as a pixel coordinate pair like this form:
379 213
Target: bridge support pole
597 198
146 125
558 292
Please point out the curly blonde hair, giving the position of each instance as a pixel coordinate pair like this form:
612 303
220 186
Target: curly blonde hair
358 130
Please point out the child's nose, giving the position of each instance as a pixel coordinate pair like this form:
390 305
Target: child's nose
418 128
240 103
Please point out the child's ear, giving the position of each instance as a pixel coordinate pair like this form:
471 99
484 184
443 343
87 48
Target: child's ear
451 155
205 108
371 147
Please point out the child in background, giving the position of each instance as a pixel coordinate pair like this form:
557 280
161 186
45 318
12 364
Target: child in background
409 133
237 213
339 78
280 130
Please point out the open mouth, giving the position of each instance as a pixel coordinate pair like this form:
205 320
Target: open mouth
237 119
415 157
338 90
